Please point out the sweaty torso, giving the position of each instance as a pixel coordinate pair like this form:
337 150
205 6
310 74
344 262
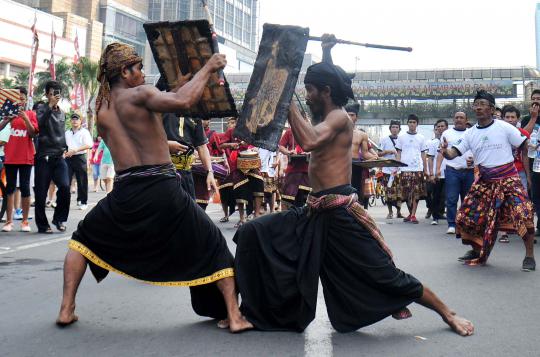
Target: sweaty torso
330 164
134 135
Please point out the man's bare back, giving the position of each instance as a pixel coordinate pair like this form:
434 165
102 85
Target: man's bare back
133 134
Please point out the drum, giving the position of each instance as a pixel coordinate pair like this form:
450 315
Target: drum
299 158
248 160
220 171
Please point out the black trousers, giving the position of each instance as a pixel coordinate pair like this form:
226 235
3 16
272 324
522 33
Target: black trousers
436 198
54 169
77 166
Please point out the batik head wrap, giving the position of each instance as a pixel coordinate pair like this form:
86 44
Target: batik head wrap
114 57
482 94
326 74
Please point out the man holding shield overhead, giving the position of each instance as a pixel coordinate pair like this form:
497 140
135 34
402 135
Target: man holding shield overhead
280 257
148 227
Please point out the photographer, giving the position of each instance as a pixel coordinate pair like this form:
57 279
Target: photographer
19 159
50 163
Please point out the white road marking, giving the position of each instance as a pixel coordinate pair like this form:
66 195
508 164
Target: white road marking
35 245
318 336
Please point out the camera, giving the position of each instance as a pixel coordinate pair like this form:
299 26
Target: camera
56 92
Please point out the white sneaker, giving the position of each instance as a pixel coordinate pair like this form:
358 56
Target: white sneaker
434 222
79 203
451 230
83 207
25 227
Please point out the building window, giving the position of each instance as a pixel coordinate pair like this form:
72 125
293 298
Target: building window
126 26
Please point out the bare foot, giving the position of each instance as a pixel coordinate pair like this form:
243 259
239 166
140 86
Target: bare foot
240 325
402 314
66 316
460 325
223 323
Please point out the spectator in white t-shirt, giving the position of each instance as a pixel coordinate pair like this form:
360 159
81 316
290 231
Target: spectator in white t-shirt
497 200
411 149
458 173
79 141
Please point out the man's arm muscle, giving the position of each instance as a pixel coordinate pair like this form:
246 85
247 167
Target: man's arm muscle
311 137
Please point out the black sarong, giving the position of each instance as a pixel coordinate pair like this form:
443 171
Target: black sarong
150 229
280 258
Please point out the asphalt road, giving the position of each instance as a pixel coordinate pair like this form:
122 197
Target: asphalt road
121 317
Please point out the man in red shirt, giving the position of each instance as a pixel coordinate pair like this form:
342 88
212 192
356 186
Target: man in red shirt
226 194
511 114
19 159
295 187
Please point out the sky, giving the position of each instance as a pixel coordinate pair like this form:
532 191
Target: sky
442 33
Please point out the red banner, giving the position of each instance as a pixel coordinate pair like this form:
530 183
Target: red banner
52 68
34 49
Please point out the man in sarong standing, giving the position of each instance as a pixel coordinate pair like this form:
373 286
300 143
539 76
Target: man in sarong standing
148 227
280 257
411 149
497 200
390 179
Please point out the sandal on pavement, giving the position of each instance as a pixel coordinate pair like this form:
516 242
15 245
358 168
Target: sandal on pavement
389 216
60 226
48 230
224 219
239 224
504 239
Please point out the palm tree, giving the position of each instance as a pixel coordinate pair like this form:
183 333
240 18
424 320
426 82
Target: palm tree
64 76
7 82
21 79
85 72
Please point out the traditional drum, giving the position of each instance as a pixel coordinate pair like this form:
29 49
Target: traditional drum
248 160
220 171
299 158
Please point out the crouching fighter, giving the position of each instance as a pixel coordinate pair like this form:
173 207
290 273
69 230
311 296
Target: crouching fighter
148 227
280 257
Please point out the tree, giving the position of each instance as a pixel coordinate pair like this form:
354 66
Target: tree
64 76
21 79
7 83
85 72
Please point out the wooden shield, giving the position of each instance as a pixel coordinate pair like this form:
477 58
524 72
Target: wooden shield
183 47
272 84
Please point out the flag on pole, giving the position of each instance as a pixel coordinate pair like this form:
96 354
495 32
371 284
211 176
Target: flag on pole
52 67
77 95
33 53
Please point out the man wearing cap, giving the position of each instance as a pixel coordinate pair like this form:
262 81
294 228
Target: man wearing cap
497 199
280 257
148 227
79 141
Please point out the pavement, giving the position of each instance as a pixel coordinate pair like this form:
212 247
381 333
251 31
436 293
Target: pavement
122 317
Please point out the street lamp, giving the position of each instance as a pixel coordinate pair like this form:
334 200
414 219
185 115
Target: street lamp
356 59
